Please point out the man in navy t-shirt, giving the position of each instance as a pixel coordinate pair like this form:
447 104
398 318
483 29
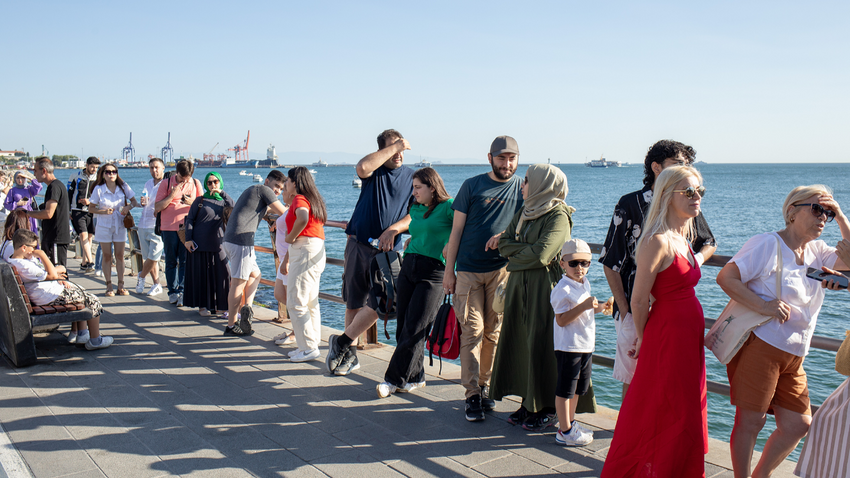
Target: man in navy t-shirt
380 215
484 207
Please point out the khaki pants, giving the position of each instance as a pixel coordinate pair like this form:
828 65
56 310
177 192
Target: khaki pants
479 325
306 263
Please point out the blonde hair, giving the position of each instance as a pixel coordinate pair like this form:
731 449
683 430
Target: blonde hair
655 221
801 193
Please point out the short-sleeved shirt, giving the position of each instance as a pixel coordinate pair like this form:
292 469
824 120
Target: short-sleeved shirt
428 236
57 230
758 266
148 219
579 336
383 201
175 212
314 227
489 206
247 214
32 274
618 252
105 199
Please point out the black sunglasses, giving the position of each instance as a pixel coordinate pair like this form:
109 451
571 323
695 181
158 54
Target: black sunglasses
818 211
690 191
577 263
212 181
111 171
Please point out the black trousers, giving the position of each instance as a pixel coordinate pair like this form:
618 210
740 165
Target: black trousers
418 297
61 257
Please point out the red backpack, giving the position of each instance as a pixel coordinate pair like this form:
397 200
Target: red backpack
445 334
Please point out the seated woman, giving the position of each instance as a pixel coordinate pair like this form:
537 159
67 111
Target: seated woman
41 280
16 219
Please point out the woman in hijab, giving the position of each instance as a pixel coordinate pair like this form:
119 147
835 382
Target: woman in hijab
525 357
207 279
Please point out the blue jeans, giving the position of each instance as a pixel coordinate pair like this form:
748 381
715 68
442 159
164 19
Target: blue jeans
98 258
175 262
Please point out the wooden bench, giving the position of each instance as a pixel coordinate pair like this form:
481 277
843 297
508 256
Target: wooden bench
18 317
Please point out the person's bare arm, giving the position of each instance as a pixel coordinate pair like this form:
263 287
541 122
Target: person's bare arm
277 208
568 317
46 213
729 279
450 252
52 273
705 253
652 259
371 162
302 217
615 283
387 239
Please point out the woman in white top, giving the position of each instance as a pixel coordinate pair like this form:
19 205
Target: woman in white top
767 376
110 199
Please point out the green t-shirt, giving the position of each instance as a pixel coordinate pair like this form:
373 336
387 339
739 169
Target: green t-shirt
429 236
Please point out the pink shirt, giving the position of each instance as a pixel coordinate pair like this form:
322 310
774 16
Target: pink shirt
174 214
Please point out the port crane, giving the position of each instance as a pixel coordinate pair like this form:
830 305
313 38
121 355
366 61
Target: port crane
129 153
240 151
168 151
209 157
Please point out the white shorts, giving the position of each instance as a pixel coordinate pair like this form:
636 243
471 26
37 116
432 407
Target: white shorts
281 277
624 366
242 259
104 234
151 245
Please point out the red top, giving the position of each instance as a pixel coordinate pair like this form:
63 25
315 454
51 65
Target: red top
314 227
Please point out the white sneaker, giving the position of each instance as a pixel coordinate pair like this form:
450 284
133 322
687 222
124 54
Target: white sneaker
105 342
293 353
203 312
581 427
385 389
98 273
574 437
140 286
179 300
82 339
411 386
172 298
156 289
284 339
306 356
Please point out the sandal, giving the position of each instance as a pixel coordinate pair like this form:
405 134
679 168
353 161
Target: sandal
109 292
121 289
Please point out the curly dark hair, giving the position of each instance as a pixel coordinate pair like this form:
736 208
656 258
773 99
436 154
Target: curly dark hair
662 150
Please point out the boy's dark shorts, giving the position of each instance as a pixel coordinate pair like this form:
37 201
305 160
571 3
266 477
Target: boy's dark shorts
82 222
356 284
573 373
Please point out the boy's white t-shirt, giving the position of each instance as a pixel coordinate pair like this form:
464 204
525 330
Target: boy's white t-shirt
579 336
41 293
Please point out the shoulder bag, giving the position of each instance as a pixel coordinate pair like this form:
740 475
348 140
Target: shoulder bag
842 358
736 322
129 223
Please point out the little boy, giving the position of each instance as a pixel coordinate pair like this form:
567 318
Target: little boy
44 288
575 335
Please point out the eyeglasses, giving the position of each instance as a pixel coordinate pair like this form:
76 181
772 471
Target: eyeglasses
818 211
690 191
577 263
31 246
111 171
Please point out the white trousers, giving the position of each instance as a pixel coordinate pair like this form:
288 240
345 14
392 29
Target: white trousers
306 263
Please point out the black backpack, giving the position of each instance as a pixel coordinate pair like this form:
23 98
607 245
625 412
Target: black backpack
383 273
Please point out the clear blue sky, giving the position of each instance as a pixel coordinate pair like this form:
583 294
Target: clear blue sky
740 81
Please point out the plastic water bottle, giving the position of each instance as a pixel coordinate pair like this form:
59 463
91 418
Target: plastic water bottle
375 243
144 197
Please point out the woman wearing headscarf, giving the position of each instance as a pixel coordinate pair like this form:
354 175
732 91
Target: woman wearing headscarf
525 358
207 279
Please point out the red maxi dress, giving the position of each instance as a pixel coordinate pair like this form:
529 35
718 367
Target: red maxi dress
662 429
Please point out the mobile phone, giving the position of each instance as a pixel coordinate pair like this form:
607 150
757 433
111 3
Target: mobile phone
820 275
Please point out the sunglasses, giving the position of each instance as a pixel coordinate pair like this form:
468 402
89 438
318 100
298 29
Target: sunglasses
212 181
111 171
577 263
818 211
690 191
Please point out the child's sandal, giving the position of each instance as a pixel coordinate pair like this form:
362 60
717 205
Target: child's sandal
109 292
121 289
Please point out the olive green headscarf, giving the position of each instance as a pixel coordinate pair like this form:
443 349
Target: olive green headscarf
208 194
547 187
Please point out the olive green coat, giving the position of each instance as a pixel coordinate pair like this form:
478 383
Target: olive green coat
525 356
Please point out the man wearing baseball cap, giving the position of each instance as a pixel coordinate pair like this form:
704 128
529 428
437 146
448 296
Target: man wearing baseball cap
483 208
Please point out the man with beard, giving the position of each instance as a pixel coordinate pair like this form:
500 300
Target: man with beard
379 215
484 206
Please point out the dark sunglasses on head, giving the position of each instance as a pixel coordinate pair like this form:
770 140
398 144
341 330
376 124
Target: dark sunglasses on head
818 211
690 191
577 263
111 171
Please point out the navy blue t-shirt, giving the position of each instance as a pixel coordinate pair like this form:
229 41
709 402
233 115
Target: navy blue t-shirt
489 207
383 201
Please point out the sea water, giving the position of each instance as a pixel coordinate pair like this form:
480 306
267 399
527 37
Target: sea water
741 200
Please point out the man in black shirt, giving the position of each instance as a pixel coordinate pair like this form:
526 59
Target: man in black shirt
54 213
618 252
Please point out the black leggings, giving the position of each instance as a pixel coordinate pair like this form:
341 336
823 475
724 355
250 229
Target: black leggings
419 293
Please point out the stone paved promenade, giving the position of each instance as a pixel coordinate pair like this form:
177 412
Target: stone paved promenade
174 397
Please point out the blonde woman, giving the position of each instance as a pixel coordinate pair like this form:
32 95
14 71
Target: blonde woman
662 429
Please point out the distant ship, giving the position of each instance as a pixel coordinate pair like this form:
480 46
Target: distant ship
271 158
320 164
602 163
357 183
422 164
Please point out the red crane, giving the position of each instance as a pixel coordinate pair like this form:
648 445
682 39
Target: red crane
240 151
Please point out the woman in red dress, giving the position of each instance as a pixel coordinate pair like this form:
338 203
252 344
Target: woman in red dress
662 429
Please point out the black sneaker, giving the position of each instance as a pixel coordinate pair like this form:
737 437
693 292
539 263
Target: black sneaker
518 417
474 412
84 266
537 422
336 354
90 267
487 403
246 314
236 331
349 363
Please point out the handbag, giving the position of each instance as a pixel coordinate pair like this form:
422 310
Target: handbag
444 339
129 222
736 322
181 233
842 358
499 298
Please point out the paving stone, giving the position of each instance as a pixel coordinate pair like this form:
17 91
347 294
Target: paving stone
436 466
168 436
513 466
354 462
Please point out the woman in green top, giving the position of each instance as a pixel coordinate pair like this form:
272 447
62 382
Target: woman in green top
419 288
525 357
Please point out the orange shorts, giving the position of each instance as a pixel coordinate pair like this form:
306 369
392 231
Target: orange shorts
762 377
